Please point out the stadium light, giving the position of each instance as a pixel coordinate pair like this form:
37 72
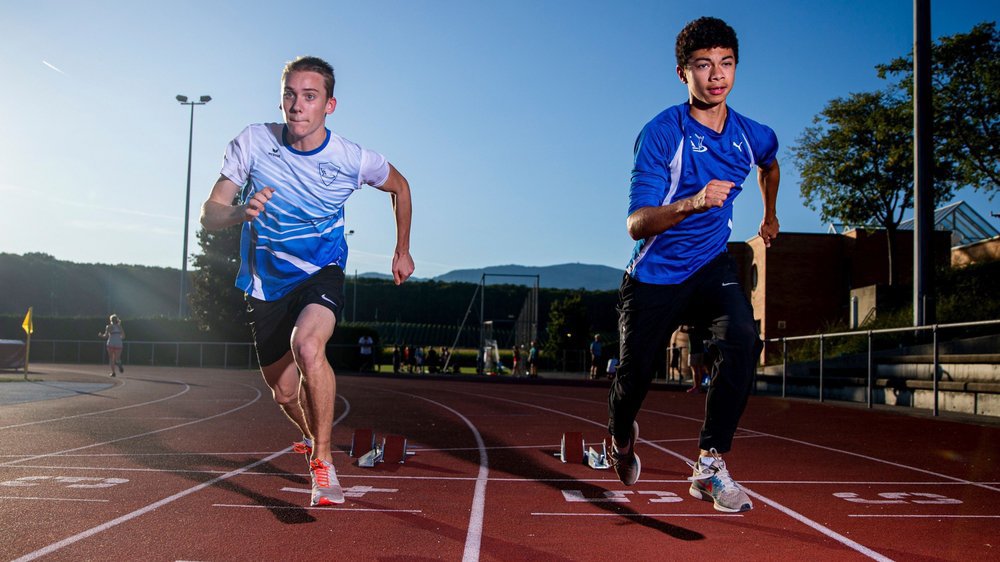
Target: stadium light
183 100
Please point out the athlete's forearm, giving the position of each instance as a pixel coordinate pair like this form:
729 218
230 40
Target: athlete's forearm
216 216
768 179
650 221
403 211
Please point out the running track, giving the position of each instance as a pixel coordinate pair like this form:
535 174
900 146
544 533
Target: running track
195 464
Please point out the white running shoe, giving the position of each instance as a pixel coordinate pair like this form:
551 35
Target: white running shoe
711 482
326 489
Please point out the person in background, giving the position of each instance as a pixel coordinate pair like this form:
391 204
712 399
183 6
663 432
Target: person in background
115 335
595 356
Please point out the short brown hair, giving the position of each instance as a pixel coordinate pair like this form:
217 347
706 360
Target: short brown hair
705 33
312 64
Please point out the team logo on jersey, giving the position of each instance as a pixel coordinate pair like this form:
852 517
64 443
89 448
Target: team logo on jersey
698 143
328 172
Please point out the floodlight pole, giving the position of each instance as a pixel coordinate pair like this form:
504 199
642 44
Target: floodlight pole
183 100
923 155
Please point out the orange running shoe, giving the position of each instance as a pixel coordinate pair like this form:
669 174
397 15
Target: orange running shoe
326 489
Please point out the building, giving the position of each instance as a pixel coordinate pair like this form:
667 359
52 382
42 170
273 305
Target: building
807 283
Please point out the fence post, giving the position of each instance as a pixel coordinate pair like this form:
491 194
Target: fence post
934 372
784 365
821 367
870 379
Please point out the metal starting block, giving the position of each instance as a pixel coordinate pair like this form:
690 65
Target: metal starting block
392 450
598 459
572 449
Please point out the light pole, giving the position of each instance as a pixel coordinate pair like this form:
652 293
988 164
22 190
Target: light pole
354 312
187 200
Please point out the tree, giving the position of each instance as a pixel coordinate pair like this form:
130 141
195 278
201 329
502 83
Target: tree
856 163
966 100
569 326
216 304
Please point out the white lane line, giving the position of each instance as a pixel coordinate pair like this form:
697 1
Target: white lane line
787 511
154 432
306 508
53 499
753 432
158 504
171 397
492 478
903 516
819 527
474 536
709 515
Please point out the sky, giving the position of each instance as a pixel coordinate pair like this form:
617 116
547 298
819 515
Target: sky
513 121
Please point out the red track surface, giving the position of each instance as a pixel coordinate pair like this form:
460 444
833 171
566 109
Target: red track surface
191 464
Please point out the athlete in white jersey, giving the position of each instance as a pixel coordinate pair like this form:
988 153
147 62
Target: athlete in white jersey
287 185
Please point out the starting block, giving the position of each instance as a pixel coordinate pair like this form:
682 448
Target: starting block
393 449
573 449
598 459
363 440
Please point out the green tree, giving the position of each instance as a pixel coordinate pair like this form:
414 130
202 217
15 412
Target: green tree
966 100
568 326
856 163
216 304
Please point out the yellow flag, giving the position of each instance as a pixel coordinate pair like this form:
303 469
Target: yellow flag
28 325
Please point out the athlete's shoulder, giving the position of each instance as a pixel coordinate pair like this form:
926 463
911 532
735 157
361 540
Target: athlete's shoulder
749 124
763 140
343 150
260 131
670 119
663 131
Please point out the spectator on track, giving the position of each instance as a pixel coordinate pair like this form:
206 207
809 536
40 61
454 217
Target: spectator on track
595 356
115 335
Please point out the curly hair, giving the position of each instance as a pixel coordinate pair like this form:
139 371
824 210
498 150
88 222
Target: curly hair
705 33
313 64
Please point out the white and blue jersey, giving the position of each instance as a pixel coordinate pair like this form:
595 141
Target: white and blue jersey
675 157
302 227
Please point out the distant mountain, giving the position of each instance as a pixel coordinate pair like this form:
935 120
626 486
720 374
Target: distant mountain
385 276
565 276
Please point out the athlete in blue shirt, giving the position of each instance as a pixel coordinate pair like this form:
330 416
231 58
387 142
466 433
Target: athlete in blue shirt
690 163
287 184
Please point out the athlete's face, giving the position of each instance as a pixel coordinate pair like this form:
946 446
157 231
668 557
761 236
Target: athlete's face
709 75
305 104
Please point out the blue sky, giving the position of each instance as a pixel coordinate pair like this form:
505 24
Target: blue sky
513 121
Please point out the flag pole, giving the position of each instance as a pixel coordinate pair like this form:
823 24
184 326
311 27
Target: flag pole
29 327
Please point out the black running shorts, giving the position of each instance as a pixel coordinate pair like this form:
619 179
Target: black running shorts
272 321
